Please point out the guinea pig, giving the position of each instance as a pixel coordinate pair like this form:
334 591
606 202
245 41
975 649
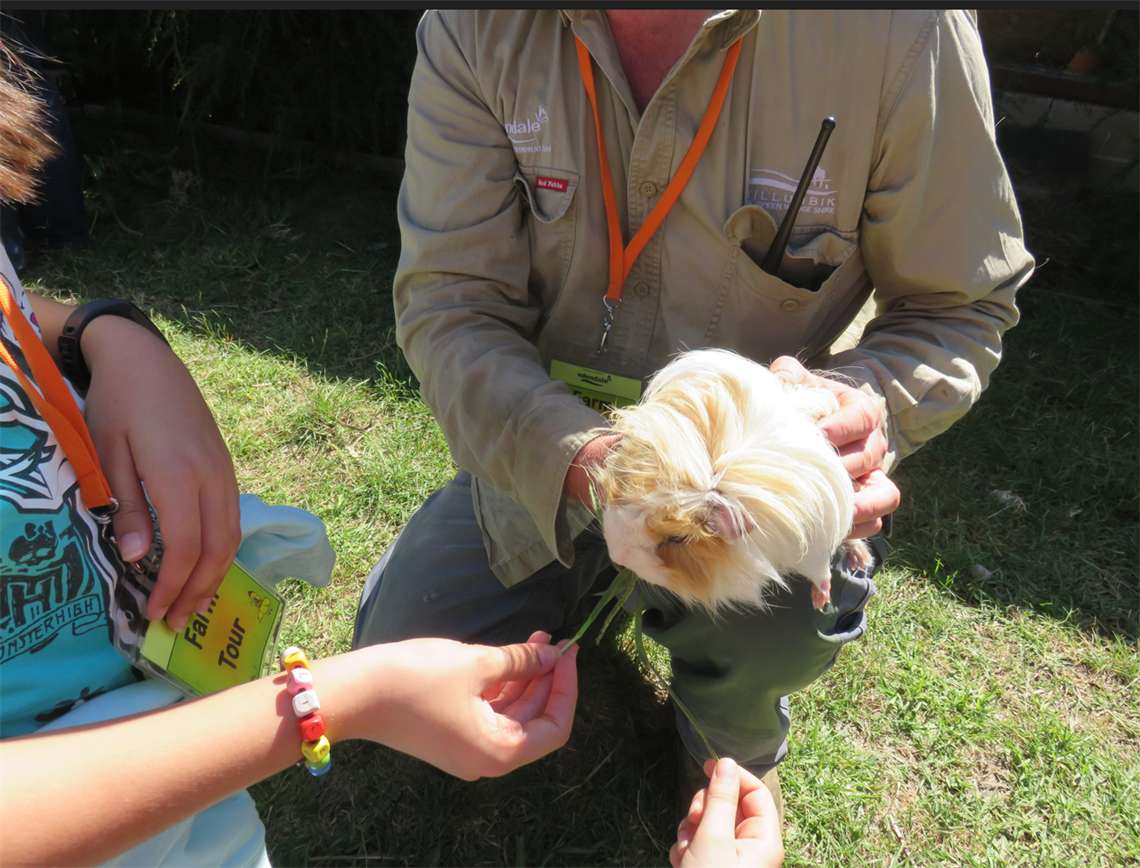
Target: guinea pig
723 484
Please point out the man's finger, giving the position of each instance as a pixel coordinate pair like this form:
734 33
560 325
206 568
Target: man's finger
856 419
877 496
858 414
865 529
860 457
789 369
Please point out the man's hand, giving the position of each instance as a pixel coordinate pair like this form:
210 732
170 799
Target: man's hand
150 425
472 710
732 822
579 476
855 431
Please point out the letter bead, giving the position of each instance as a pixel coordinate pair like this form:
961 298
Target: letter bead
299 679
315 746
311 727
294 657
315 751
305 702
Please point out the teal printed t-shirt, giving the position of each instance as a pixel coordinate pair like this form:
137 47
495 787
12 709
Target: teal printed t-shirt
57 574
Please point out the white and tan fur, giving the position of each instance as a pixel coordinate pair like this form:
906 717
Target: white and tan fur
723 484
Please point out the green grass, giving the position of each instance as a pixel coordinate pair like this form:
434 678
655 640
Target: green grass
990 716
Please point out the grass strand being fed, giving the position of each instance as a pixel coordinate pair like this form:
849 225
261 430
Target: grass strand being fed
620 589
623 584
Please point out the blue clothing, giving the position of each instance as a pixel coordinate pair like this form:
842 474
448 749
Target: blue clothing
58 572
67 600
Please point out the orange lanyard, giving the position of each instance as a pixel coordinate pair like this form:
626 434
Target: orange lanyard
57 407
622 259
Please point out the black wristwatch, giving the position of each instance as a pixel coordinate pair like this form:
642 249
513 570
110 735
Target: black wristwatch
71 359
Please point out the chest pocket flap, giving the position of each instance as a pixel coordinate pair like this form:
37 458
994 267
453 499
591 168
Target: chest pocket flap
548 192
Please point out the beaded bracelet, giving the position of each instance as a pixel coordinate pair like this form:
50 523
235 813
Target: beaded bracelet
314 745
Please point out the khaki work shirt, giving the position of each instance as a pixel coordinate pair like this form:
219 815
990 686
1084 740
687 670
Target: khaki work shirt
505 253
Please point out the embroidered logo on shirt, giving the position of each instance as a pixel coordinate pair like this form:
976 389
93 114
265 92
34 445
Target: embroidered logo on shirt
524 134
774 191
552 184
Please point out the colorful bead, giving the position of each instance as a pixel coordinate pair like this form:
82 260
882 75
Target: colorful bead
315 751
314 744
305 702
294 657
300 679
317 769
311 727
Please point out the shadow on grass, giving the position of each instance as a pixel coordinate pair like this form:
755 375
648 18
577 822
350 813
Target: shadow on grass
293 259
578 806
1033 499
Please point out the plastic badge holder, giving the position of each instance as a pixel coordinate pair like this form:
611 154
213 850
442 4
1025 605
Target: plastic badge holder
231 643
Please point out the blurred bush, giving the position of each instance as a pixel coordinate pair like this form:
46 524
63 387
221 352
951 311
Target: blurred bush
338 78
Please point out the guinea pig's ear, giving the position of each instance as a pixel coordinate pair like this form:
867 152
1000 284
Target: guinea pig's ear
725 520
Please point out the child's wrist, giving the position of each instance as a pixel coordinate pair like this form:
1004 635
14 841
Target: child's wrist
357 686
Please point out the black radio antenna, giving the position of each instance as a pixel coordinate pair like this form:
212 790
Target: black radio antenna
776 251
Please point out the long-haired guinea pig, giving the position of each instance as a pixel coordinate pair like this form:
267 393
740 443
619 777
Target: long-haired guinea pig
723 484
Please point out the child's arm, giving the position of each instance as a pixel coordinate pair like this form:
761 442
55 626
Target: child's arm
150 425
82 795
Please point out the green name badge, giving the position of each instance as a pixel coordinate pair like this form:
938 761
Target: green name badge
229 644
597 389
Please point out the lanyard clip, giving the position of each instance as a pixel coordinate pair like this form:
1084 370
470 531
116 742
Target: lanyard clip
607 322
103 514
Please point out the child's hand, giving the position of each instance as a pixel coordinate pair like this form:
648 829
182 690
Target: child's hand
150 425
473 711
733 822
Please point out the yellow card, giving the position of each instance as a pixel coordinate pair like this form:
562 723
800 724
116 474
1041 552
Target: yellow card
227 645
597 389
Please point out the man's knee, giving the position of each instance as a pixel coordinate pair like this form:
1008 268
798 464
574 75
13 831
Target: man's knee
438 557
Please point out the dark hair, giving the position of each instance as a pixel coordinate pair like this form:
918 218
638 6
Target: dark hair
24 141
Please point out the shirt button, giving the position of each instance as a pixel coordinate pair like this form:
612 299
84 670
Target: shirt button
648 189
789 305
642 290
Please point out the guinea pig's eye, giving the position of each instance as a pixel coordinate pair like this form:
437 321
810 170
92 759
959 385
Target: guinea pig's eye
676 540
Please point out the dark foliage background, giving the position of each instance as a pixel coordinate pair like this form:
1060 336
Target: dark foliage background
338 78
1051 37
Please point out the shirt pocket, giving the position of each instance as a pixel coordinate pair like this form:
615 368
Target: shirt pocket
821 286
551 221
812 254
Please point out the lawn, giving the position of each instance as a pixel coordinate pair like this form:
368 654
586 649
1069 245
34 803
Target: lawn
990 717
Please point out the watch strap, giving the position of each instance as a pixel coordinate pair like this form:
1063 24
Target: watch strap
72 363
